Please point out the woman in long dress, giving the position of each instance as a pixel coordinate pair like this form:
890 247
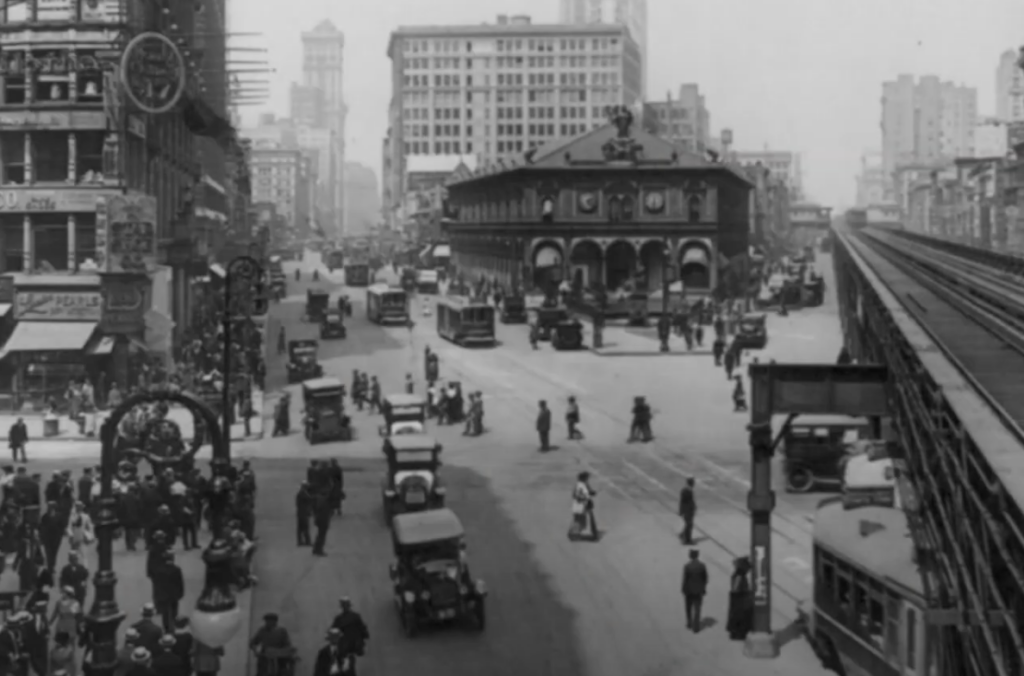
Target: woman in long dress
740 597
80 532
66 615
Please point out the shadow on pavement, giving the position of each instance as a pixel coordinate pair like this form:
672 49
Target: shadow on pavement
529 631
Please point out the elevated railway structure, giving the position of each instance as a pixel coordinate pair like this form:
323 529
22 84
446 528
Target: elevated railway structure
948 322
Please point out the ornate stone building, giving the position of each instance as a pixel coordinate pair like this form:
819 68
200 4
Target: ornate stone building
610 208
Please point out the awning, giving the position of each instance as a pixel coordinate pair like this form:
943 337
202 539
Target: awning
49 336
4 308
218 270
696 255
105 345
442 251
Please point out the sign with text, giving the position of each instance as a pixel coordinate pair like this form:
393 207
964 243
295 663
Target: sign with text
58 306
124 304
27 200
131 241
81 120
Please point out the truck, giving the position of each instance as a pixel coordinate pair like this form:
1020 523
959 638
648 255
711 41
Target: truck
426 281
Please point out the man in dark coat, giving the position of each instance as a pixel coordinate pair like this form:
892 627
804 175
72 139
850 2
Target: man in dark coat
35 638
337 475
183 642
166 660
353 629
129 510
17 439
76 576
694 588
85 483
322 516
544 426
25 489
168 590
51 533
303 513
149 631
687 511
330 659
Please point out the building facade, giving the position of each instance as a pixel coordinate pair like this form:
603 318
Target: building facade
496 90
308 106
285 178
612 210
991 138
683 120
629 13
872 186
323 68
782 164
1009 88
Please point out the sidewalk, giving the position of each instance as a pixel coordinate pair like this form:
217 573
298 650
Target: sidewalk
625 341
69 432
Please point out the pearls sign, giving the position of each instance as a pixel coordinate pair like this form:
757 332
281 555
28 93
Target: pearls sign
153 73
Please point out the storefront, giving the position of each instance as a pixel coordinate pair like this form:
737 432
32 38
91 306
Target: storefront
56 336
123 324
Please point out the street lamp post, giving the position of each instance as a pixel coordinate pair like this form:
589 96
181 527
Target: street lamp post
247 274
216 616
667 277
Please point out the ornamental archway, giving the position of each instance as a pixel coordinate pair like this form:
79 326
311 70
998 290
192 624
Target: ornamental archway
695 265
585 264
620 264
652 260
547 262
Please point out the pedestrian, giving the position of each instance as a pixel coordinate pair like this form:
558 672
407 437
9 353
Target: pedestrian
206 660
322 516
76 576
303 512
695 586
124 654
166 660
17 439
168 591
583 510
35 636
544 426
572 419
410 386
740 600
739 397
149 631
729 361
67 614
85 484
62 655
184 643
687 511
374 402
337 477
534 334
51 533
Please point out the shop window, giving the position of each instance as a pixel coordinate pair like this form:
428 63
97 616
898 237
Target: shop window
50 235
89 83
89 167
693 209
49 88
15 12
85 238
15 86
11 243
12 153
50 156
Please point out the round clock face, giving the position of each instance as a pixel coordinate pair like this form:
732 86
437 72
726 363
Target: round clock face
655 201
588 202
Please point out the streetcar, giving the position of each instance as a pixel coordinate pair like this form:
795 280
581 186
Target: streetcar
335 259
868 611
465 322
387 304
357 274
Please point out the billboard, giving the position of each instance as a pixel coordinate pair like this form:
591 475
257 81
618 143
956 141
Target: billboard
130 238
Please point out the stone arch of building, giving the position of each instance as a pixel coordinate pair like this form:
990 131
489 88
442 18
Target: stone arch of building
547 253
695 261
621 260
653 257
586 263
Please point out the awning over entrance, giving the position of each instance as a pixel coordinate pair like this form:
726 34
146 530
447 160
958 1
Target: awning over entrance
218 270
104 345
4 309
49 336
695 255
442 251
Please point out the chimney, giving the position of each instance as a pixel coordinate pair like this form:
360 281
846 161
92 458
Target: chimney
503 19
521 20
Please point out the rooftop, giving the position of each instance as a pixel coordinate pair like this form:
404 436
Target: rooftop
504 29
438 163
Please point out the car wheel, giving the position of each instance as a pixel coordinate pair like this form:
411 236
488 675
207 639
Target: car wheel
409 625
799 480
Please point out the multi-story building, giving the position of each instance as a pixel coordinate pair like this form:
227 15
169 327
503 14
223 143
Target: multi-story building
323 67
493 91
284 177
630 13
308 105
783 166
991 138
362 199
871 181
1009 88
926 122
683 120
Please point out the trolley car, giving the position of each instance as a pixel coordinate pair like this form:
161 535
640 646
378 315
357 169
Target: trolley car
386 304
465 322
357 274
869 609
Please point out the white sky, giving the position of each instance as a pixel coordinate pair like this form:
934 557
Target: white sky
801 75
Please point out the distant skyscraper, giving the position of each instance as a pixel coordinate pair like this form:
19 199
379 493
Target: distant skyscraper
1009 88
630 13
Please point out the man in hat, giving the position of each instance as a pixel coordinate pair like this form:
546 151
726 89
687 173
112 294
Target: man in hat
51 533
149 631
352 627
124 654
270 638
331 659
11 644
303 513
168 590
164 523
17 439
183 641
36 637
166 660
142 663
85 483
75 576
687 510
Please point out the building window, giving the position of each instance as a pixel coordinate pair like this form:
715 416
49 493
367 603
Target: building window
50 156
89 167
50 233
693 209
15 88
85 237
12 154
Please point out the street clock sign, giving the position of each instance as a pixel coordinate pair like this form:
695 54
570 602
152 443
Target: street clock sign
153 73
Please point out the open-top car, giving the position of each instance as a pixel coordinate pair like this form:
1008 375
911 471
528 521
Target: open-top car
302 361
332 326
547 318
567 335
431 577
411 483
513 310
403 414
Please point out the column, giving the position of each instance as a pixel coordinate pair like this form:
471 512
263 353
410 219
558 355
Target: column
73 158
30 176
72 243
73 79
27 245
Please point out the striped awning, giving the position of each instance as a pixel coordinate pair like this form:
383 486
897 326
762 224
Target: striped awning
49 336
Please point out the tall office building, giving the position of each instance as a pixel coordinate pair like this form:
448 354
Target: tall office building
1009 88
630 13
683 120
926 122
323 66
496 90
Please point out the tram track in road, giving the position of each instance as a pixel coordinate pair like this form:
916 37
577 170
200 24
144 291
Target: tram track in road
638 478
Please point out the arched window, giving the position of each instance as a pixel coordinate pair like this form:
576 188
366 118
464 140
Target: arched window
694 212
628 208
615 209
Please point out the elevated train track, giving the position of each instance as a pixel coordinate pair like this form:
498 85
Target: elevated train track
949 324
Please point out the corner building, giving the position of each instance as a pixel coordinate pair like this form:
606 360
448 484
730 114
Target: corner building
613 205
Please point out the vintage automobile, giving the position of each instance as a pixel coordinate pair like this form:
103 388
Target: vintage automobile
403 414
331 325
513 310
324 416
815 448
638 307
432 582
302 361
316 305
547 318
567 335
753 331
411 483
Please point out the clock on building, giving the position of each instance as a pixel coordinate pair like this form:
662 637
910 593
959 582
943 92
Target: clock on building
588 202
655 201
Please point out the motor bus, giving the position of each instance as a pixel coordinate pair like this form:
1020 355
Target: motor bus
335 259
357 274
868 612
387 305
464 321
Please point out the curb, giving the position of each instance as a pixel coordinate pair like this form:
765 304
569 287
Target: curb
653 353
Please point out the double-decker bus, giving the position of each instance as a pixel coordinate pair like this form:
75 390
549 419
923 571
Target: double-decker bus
464 321
387 305
357 274
869 610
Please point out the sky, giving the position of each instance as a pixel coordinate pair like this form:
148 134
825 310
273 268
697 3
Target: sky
798 75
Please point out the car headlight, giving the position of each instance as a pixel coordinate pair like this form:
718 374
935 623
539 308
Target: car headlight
481 588
452 573
425 595
440 490
409 597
